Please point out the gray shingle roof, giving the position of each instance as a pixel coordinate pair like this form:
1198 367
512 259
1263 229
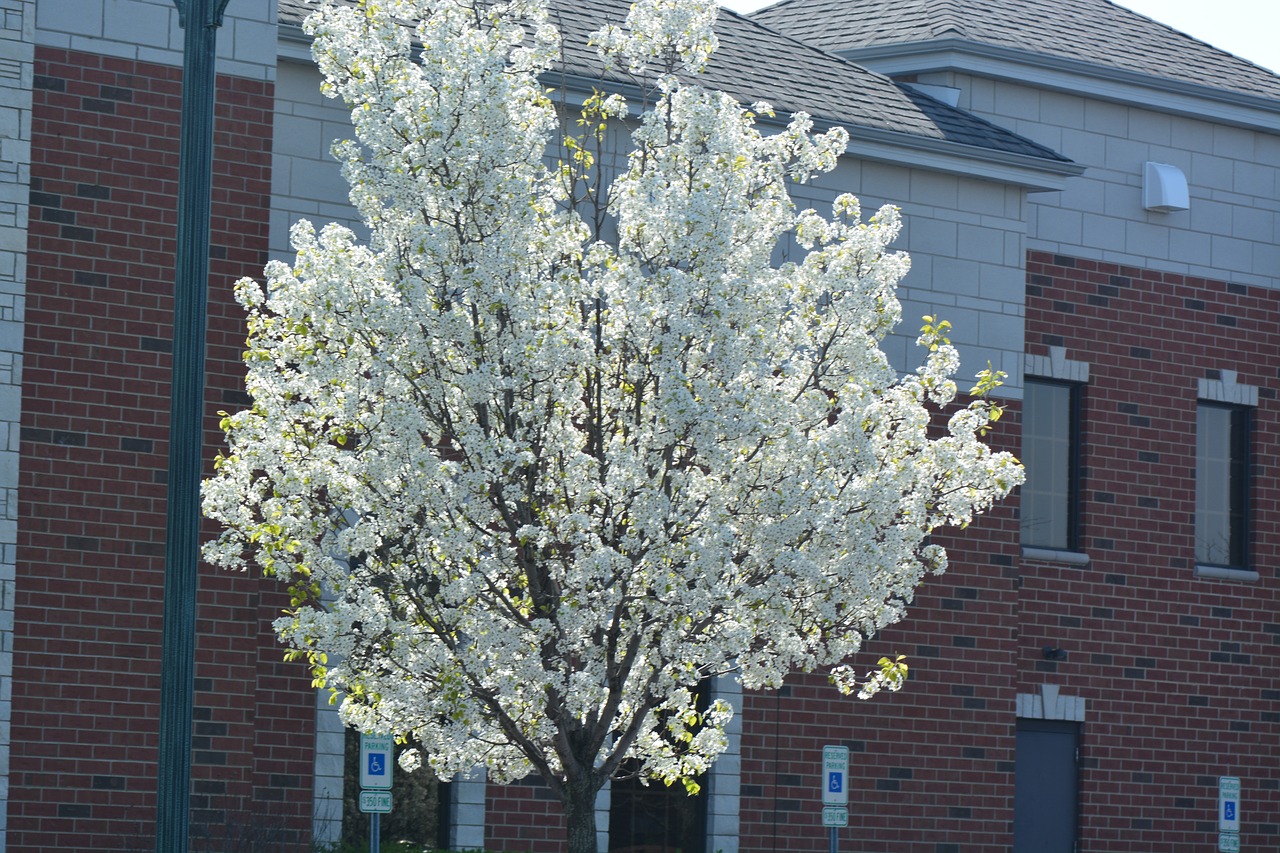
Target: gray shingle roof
1093 31
756 63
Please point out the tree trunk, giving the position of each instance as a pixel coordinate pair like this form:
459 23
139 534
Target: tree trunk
580 815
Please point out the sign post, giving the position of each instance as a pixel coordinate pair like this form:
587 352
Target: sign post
835 790
1228 814
377 752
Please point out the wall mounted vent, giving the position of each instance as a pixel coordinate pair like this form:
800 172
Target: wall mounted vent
1164 188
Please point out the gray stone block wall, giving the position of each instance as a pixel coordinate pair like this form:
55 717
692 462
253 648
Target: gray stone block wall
306 181
1232 229
965 236
966 239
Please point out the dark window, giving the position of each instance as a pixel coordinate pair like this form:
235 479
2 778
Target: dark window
1222 485
655 817
1050 452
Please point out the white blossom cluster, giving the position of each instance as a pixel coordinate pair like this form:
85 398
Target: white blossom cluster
534 466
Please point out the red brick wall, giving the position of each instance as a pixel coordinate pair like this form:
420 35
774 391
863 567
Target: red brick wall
1180 674
524 816
93 480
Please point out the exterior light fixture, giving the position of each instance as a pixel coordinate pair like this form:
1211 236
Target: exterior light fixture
1053 653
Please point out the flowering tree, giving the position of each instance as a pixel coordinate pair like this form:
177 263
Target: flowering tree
545 453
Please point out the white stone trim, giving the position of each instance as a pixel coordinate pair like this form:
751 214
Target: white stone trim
1228 390
1223 573
604 801
1054 555
326 821
724 779
1049 704
467 811
1056 365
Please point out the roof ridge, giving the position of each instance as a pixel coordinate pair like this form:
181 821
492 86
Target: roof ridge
949 17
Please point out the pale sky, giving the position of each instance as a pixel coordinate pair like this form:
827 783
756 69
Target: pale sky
1247 28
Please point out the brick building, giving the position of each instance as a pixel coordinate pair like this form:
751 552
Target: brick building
1091 198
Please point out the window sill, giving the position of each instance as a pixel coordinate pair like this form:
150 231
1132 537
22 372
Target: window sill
1053 555
1222 573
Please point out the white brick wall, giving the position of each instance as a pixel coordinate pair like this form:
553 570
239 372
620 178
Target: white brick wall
305 179
330 752
467 811
148 31
724 780
17 28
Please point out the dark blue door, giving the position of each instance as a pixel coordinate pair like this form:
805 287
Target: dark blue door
1045 787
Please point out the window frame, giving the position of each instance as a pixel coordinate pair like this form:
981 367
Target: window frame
1075 471
1239 490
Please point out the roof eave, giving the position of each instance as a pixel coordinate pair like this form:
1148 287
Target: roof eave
1034 174
1069 75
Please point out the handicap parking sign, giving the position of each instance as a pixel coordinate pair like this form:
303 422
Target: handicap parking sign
835 768
376 755
1229 804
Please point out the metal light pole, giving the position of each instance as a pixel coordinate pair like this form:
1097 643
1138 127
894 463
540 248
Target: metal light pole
200 20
